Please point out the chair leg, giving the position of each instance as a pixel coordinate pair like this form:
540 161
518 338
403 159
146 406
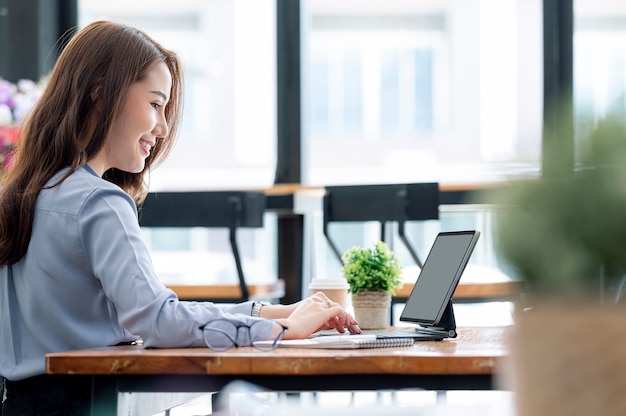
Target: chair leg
245 294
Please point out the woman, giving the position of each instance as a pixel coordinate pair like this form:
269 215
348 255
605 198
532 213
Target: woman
74 271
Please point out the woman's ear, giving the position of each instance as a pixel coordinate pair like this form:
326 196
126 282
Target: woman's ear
95 98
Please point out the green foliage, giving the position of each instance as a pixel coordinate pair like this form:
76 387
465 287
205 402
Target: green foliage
561 234
373 269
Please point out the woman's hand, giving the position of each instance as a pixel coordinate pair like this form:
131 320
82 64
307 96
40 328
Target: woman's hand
316 313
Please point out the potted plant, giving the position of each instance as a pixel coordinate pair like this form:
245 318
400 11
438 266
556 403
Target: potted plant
373 274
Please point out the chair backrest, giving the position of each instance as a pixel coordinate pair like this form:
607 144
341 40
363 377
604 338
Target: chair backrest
211 209
383 203
219 209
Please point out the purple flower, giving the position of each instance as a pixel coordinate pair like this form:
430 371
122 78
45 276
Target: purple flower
16 100
7 91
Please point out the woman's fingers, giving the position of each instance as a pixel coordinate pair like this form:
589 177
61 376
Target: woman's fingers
342 320
328 314
337 318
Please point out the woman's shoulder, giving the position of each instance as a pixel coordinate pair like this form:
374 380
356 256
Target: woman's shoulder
81 186
85 180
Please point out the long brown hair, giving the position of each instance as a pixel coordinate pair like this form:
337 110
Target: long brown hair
65 129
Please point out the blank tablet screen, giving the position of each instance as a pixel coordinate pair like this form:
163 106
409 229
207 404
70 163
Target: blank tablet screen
439 276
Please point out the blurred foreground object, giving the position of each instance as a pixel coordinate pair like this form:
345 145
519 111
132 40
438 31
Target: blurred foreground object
566 238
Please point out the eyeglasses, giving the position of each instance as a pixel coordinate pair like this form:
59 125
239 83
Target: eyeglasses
222 334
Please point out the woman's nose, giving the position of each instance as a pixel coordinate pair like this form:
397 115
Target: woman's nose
161 128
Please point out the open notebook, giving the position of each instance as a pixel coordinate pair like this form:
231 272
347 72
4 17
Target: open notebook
341 342
429 305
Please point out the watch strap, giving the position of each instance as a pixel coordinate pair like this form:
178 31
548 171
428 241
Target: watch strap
256 307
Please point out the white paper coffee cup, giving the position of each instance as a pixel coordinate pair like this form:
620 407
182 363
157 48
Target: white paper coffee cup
335 288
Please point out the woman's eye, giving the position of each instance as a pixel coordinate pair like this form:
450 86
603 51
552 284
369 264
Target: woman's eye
156 106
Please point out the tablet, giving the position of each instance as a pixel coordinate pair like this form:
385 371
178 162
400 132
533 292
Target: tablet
439 277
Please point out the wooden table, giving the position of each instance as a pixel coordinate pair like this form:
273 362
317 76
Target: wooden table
217 292
465 291
472 292
468 362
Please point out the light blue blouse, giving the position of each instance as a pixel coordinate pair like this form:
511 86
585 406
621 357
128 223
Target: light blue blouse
87 280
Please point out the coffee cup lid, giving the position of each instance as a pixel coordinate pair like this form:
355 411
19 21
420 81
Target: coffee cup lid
339 283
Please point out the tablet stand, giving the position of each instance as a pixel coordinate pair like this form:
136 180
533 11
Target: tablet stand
446 326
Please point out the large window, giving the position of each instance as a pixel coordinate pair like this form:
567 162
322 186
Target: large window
372 84
599 63
408 91
400 91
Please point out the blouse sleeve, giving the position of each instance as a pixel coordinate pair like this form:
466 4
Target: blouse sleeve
120 259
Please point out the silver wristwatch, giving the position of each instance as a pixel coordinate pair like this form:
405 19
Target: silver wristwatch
256 307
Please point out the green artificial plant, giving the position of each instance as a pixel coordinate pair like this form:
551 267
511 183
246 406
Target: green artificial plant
373 269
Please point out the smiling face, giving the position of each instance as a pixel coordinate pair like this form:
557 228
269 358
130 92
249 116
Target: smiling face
140 123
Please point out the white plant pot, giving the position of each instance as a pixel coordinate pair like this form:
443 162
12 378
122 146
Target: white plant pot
371 309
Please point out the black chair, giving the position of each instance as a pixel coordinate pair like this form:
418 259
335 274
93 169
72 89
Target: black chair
218 209
383 203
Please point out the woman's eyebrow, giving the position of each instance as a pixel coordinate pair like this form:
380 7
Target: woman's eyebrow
160 94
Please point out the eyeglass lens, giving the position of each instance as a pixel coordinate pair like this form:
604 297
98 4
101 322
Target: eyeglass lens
222 334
